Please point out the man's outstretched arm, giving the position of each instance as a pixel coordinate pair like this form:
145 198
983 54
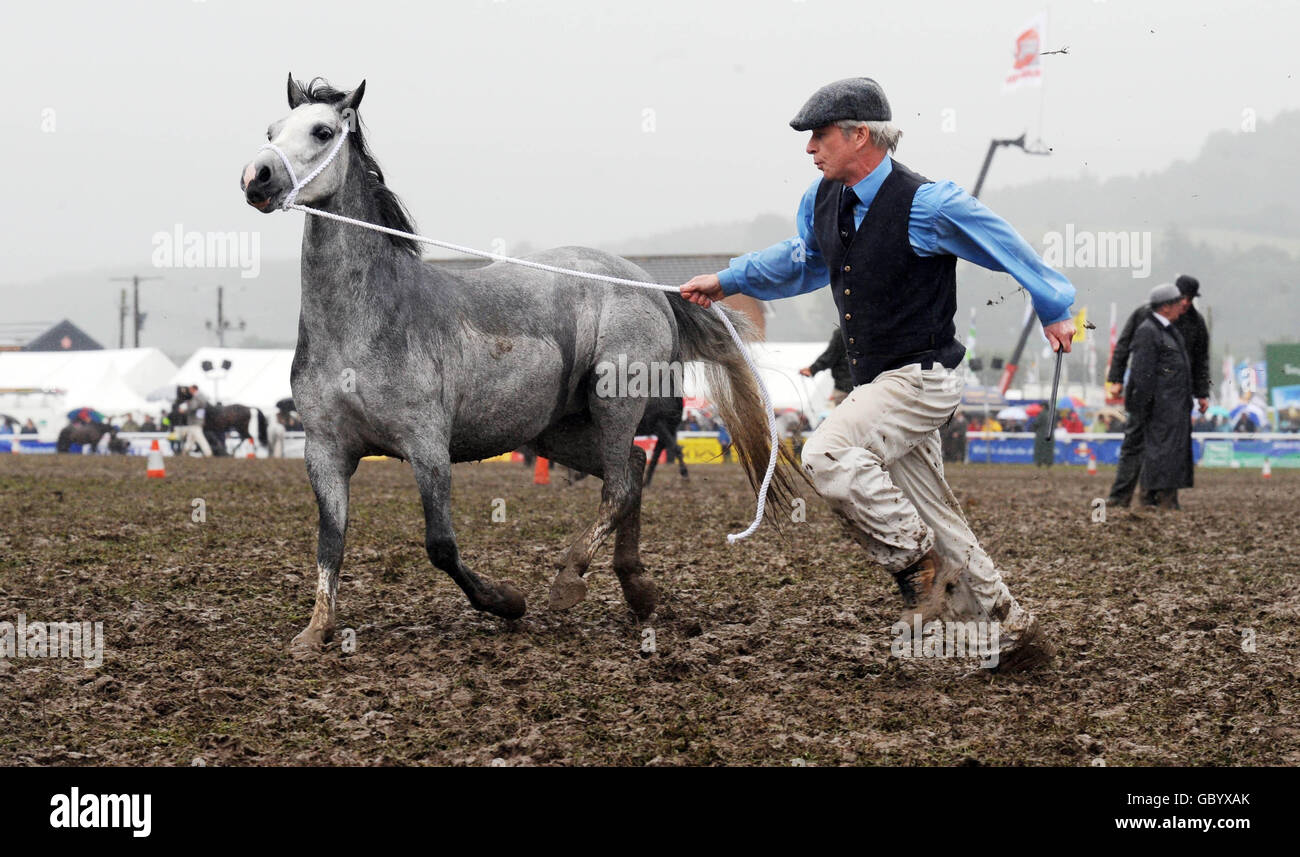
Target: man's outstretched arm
947 219
784 270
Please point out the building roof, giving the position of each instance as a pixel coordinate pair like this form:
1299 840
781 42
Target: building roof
64 336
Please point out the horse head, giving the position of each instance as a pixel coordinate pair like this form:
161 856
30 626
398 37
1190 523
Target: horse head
306 137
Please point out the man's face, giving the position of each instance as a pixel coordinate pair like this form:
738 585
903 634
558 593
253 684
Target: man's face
831 152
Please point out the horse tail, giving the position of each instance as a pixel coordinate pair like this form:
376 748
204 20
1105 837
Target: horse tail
735 392
261 425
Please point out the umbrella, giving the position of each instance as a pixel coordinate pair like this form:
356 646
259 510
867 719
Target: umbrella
1069 403
1256 411
1013 413
1033 409
90 414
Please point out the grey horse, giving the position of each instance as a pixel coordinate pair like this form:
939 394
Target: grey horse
397 356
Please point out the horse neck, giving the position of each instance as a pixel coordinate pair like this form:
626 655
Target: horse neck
351 276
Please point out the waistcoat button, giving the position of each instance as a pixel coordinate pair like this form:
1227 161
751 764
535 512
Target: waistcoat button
848 268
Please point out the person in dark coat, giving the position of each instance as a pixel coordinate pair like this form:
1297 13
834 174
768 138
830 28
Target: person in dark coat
1196 336
1160 398
836 359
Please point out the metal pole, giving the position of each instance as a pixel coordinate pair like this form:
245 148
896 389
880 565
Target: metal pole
135 281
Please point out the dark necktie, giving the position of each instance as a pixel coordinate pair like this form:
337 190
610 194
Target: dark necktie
848 199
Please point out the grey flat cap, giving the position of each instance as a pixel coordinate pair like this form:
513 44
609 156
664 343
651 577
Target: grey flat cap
858 98
1164 293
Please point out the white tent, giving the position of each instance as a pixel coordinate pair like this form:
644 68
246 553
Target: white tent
140 369
108 394
778 365
257 377
35 384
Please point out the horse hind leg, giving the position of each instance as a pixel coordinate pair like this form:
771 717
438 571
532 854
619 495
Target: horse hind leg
638 590
578 446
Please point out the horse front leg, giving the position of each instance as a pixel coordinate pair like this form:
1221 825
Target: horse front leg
330 471
433 477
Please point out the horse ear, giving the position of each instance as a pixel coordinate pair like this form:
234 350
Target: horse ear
296 96
353 101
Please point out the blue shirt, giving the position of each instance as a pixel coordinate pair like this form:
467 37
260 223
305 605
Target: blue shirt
944 220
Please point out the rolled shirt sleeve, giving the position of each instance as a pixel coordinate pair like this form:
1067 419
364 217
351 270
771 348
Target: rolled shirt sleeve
786 269
946 219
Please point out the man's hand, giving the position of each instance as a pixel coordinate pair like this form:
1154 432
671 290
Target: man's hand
1204 403
806 371
1114 389
1060 334
703 290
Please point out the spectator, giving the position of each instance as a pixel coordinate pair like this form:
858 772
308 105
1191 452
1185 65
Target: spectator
1158 399
836 359
29 427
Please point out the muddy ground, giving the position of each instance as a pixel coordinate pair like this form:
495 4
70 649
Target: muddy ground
774 652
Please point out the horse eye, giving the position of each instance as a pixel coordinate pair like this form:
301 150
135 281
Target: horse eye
322 133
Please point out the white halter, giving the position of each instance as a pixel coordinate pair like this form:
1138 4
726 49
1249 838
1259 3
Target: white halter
299 185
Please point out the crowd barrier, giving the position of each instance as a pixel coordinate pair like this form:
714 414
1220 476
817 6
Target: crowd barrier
1209 449
702 447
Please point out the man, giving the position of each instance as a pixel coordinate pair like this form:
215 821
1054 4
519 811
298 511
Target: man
1160 398
836 359
1196 336
195 407
887 240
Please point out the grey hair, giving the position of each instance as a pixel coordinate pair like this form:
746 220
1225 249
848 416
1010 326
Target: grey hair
884 135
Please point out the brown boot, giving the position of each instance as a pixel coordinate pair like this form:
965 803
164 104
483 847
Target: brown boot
922 586
1030 652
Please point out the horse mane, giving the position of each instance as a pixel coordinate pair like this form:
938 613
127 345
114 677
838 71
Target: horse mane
392 211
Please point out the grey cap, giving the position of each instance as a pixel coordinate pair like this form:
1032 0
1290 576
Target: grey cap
1164 293
859 98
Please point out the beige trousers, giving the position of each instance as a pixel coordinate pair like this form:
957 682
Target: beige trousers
194 437
877 460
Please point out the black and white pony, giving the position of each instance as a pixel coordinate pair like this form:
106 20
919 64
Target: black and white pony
400 357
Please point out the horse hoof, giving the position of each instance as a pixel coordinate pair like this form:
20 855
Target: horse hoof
307 644
641 595
568 589
511 603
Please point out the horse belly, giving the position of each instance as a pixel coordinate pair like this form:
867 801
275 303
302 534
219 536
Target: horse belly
511 397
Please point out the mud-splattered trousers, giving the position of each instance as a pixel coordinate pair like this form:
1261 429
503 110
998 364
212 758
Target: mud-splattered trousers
877 460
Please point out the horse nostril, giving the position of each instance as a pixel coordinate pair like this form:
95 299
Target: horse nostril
264 174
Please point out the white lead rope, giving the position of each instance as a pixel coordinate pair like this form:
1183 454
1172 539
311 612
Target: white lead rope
289 203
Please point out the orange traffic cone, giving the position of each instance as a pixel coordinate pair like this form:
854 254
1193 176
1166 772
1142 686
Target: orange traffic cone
542 472
252 449
1268 470
155 467
1092 465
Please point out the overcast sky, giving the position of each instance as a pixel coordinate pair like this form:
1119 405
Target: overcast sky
521 120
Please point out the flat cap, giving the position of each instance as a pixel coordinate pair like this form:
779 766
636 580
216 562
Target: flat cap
859 98
1188 285
1164 293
